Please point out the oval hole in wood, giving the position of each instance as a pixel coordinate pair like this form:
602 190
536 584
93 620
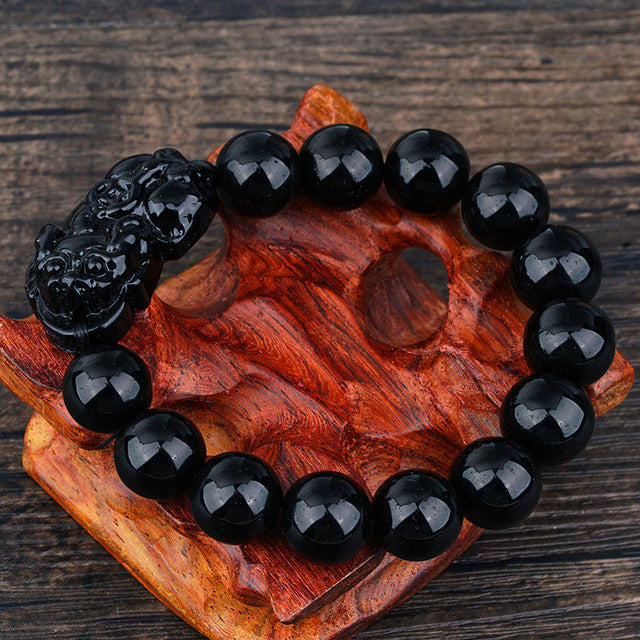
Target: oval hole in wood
404 297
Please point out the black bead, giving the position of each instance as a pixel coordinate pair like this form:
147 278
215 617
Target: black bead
159 454
258 173
551 417
326 516
416 515
341 166
105 387
498 482
503 204
236 498
555 262
571 339
426 171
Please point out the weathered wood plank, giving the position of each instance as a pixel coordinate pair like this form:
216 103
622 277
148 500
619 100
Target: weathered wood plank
62 14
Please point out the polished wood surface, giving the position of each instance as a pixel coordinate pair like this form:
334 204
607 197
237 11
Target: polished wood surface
593 500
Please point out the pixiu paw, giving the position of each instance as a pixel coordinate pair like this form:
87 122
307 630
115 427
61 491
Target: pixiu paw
88 278
175 197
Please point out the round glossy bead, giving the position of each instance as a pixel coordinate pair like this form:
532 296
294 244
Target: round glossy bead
258 173
551 417
326 516
236 498
426 171
105 387
503 204
571 339
341 166
416 515
556 262
498 482
158 454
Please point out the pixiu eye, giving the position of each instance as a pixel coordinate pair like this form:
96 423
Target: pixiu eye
96 266
53 267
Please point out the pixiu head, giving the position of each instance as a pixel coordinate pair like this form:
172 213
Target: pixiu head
88 278
85 288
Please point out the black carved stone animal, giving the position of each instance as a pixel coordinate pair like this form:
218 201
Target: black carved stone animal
89 277
176 197
85 288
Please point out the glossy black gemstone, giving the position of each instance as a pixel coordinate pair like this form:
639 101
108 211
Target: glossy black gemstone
258 173
555 262
498 482
164 165
128 167
503 204
105 387
159 454
326 516
426 171
236 498
179 216
114 197
341 166
551 417
416 515
169 155
85 287
571 339
204 176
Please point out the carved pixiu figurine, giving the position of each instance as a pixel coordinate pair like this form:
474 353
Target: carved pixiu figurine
87 279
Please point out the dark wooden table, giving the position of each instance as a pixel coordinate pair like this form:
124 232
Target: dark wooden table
552 84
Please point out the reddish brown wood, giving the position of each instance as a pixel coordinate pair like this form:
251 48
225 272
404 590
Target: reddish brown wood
309 341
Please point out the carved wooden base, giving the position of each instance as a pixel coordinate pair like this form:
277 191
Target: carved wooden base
189 577
309 341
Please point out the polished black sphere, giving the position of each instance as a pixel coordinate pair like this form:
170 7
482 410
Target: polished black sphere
341 166
426 171
258 173
159 454
555 262
236 498
498 482
503 204
105 387
571 339
416 515
551 417
326 516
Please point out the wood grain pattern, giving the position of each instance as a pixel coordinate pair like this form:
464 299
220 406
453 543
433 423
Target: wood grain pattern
554 89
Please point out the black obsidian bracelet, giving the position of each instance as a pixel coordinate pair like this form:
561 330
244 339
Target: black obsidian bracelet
88 278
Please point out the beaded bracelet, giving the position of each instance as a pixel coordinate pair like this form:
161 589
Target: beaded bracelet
88 278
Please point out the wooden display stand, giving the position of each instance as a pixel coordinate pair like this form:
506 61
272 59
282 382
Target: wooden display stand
309 341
